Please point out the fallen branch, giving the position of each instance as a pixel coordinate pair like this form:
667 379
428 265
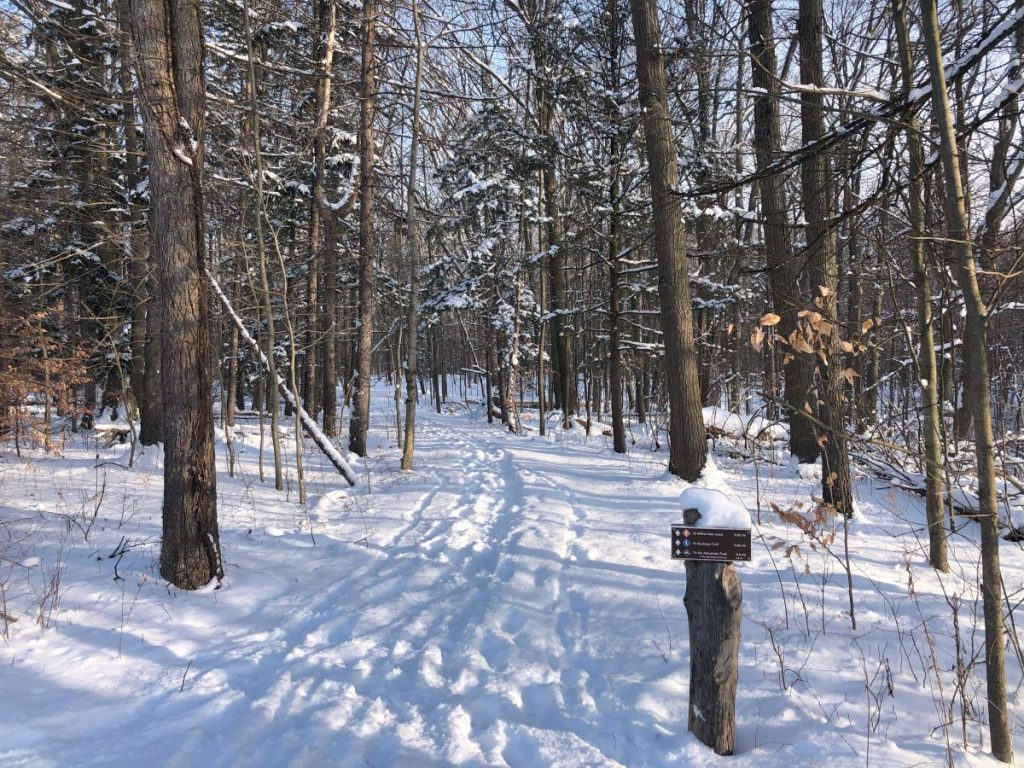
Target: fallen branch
312 428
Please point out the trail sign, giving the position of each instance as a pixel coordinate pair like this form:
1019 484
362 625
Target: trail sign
721 545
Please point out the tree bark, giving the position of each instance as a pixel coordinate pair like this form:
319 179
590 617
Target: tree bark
169 42
137 251
564 378
321 246
329 346
688 449
272 402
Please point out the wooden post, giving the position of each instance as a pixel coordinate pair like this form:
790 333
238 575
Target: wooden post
713 601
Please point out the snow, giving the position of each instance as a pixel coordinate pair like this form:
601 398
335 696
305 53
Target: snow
716 509
509 602
755 427
180 154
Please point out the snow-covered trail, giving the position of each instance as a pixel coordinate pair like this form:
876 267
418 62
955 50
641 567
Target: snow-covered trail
510 602
457 615
465 634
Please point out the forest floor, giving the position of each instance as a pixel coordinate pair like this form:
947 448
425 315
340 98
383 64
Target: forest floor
509 602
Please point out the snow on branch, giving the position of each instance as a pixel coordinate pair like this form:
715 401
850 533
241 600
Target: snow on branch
889 110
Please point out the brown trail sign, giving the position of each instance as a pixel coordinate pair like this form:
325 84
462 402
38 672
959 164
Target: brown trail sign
710 544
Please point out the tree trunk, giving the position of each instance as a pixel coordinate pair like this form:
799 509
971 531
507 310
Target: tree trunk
927 370
614 245
329 346
414 244
976 357
137 237
270 391
169 41
360 422
564 378
231 402
320 248
823 259
798 370
435 369
514 365
688 450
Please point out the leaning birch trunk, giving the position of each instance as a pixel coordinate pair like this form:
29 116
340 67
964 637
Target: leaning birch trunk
688 449
309 424
976 356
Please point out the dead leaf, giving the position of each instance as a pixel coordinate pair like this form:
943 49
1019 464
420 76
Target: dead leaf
756 338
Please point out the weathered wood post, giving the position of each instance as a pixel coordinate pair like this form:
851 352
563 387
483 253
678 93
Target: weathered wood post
713 599
713 604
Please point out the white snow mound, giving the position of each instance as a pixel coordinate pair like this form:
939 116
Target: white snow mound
716 509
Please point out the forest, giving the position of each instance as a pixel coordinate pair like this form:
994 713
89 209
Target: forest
354 357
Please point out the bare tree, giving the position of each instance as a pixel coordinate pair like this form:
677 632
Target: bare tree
927 367
414 244
976 356
818 193
688 449
797 367
360 421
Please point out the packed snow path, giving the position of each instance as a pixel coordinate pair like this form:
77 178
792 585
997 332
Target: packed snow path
509 602
466 635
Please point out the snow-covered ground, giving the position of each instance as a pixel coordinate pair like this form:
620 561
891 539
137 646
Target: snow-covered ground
509 602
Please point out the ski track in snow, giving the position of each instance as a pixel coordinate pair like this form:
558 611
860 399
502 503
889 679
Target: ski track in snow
510 602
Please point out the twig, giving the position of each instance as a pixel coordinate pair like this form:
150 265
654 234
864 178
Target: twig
182 688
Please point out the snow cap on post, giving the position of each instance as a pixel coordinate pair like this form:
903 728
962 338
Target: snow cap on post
716 509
